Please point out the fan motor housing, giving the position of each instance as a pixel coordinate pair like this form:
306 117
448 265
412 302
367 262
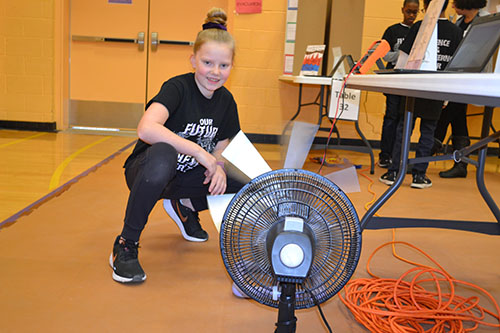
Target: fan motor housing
292 235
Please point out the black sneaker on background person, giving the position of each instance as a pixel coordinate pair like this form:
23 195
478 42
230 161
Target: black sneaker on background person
124 261
421 181
384 161
187 221
388 178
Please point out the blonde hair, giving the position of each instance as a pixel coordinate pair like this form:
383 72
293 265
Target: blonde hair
217 16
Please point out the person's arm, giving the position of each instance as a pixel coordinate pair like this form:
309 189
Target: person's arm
151 130
218 181
392 55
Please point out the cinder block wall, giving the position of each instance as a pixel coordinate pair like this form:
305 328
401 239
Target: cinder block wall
266 103
27 60
27 77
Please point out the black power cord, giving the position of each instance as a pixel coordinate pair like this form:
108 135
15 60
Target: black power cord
320 310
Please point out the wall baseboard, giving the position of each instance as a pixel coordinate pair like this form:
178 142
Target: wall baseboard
28 126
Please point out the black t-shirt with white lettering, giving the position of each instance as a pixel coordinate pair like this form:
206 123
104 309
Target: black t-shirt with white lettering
449 36
194 117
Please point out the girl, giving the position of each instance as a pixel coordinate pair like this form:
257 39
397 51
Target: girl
178 155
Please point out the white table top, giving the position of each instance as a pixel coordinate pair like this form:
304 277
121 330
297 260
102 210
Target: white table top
317 80
474 88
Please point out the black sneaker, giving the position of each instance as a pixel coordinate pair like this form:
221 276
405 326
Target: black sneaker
421 181
187 221
123 260
388 178
384 162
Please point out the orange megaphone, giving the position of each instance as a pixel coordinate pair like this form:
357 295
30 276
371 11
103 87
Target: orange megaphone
376 51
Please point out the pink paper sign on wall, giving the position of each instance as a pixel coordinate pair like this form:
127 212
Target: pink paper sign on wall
248 6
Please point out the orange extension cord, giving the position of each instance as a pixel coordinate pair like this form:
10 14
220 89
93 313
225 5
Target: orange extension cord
405 305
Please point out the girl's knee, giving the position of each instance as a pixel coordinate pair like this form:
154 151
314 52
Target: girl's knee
162 163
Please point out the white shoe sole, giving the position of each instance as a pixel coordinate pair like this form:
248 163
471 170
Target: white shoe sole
122 279
414 185
167 205
386 182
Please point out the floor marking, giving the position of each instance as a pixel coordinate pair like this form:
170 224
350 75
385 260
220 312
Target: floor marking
56 176
28 209
21 140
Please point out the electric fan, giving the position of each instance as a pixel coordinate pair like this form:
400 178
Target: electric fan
290 239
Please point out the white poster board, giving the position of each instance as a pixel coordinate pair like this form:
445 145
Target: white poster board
349 110
301 139
244 156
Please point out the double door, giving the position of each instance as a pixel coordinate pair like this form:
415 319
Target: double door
121 51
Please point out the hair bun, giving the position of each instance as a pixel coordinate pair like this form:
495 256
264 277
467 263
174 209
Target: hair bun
217 15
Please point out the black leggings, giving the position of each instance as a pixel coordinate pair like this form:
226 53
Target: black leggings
152 176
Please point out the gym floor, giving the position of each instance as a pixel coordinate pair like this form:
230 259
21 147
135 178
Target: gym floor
63 197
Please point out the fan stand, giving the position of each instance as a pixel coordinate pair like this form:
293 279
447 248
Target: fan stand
287 322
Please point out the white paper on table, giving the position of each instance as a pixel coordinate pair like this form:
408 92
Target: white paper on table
337 54
346 179
243 155
217 205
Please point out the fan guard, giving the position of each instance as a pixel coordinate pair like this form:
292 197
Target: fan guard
290 192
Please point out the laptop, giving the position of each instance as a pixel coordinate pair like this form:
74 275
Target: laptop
474 51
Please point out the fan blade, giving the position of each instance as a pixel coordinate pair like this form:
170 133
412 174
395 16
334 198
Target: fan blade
217 205
346 179
243 154
299 144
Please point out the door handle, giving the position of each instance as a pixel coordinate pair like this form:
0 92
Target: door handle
139 40
155 42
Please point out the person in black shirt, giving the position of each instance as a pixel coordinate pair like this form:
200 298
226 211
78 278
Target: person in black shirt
182 134
449 36
456 113
394 35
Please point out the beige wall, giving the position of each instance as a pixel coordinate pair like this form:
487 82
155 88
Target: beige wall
33 66
26 60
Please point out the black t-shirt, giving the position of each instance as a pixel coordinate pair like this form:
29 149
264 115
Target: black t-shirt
461 22
194 117
395 35
449 36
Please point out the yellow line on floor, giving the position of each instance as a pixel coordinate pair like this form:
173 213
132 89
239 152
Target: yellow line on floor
56 176
21 140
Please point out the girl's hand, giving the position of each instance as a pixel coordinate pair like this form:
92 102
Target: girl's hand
208 161
217 181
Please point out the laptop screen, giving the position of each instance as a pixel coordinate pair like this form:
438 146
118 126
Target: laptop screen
477 46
